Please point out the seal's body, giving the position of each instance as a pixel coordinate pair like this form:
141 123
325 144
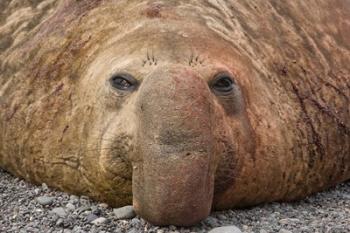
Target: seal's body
177 106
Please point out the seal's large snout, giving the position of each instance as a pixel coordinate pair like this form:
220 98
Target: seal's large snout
173 178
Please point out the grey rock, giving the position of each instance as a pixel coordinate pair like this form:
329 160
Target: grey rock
59 222
95 210
59 211
84 200
135 222
211 221
87 212
99 221
133 230
45 200
345 195
226 229
32 229
70 206
125 212
222 217
103 205
82 209
284 221
289 221
284 231
73 199
91 217
37 191
44 187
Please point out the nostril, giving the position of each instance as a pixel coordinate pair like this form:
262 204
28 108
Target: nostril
188 154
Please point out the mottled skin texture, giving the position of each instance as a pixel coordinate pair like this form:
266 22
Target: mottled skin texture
173 147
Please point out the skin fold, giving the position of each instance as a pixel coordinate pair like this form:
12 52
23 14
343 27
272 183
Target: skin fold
173 145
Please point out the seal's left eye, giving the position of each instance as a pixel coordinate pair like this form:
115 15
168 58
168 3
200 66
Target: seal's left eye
222 84
123 82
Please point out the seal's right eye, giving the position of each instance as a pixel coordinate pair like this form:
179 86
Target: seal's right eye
222 84
123 82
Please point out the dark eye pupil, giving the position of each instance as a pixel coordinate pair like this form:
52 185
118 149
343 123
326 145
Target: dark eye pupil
122 83
223 84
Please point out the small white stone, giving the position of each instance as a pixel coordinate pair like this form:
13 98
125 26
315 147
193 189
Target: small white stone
37 191
125 212
226 229
73 197
99 221
45 200
60 212
103 205
44 186
70 206
284 231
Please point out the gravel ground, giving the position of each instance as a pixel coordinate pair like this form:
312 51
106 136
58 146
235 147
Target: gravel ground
28 208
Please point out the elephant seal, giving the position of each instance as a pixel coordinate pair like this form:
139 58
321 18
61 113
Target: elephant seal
178 107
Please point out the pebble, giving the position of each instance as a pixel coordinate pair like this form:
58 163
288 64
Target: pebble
59 222
73 199
222 217
45 200
103 205
84 200
37 191
95 210
99 221
135 222
91 217
133 230
226 229
284 231
125 212
83 209
70 206
60 212
44 187
211 221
